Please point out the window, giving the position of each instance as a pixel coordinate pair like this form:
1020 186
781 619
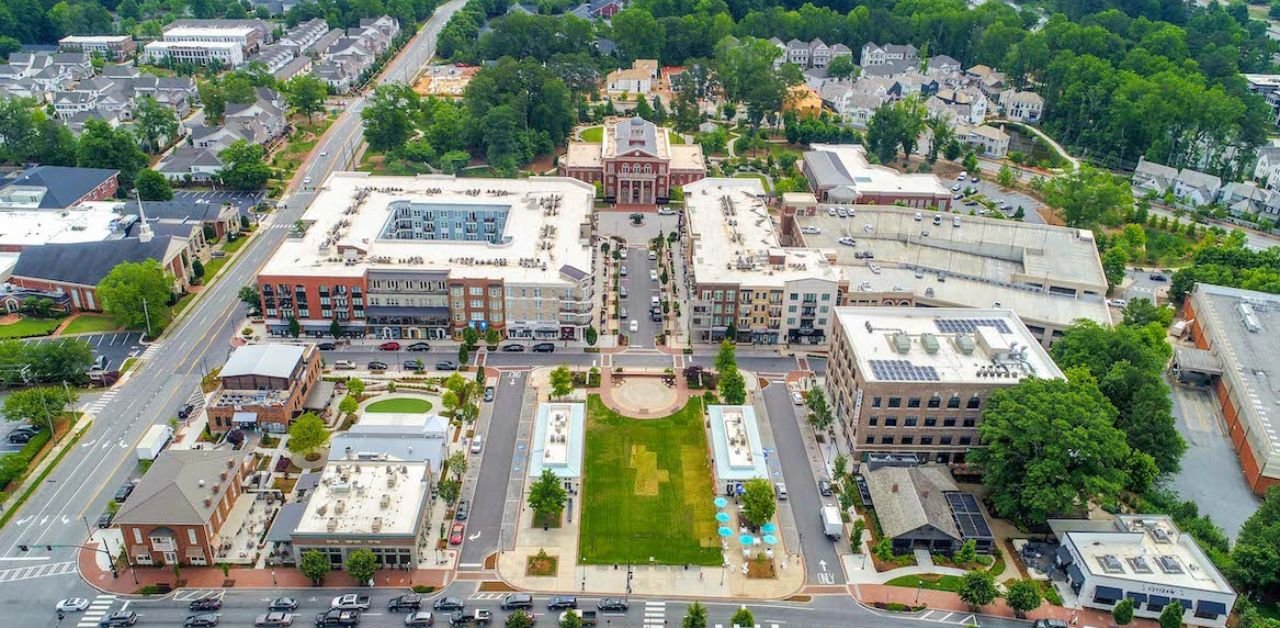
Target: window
891 421
913 402
191 536
791 309
954 401
973 402
908 440
871 440
895 402
826 296
910 421
477 291
946 440
949 422
886 440
931 421
965 440
935 401
875 402
873 421
970 422
137 535
926 440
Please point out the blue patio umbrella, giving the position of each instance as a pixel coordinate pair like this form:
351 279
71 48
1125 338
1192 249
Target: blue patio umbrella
769 528
746 539
725 532
721 502
722 517
770 539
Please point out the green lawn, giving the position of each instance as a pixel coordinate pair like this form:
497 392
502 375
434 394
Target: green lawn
593 134
755 175
213 267
28 327
647 490
232 247
674 138
88 324
399 404
933 582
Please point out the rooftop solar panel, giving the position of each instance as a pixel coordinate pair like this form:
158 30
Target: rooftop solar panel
970 325
968 516
903 371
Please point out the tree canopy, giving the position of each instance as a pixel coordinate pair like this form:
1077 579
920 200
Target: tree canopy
136 295
307 434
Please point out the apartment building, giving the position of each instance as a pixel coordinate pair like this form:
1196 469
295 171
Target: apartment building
428 256
745 284
112 47
228 42
915 380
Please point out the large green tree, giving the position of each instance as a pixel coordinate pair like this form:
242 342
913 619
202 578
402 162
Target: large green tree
547 497
745 69
758 502
40 406
307 434
1051 447
136 295
1087 196
978 588
361 564
561 382
154 123
104 147
1255 558
153 186
245 166
305 94
1023 596
314 565
388 117
695 616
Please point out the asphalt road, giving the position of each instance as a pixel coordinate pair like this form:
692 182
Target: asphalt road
640 292
822 562
489 499
79 488
240 607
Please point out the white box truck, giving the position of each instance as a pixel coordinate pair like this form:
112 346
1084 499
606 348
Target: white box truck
154 441
832 526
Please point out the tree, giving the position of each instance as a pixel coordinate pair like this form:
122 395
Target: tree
214 99
65 360
519 619
314 565
153 186
38 406
1005 176
590 335
968 553
547 497
733 387
492 337
1141 312
899 124
978 589
335 328
470 337
695 616
840 466
842 67
571 620
758 502
355 386
561 381
154 122
307 434
104 147
449 490
248 295
1113 265
388 117
745 69
197 269
1171 616
464 356
361 564
294 327
457 462
1122 613
942 132
743 619
1051 447
970 162
1255 558
1023 596
819 411
348 404
1087 196
244 166
725 358
135 294
305 94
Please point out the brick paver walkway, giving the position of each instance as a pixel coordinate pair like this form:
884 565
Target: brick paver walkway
871 594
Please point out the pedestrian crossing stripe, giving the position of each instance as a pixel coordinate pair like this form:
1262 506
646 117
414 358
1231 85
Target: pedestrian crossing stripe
487 596
37 571
98 608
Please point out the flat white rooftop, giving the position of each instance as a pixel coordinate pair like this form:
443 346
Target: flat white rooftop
208 31
546 229
953 345
849 167
367 498
734 239
93 39
183 45
735 441
1147 549
558 436
87 222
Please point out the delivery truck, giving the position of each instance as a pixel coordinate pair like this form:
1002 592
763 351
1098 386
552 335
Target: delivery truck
154 441
832 526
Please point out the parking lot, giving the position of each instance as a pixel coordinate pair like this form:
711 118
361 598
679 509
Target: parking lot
242 200
115 346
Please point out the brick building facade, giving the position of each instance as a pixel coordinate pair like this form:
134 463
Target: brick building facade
264 387
635 163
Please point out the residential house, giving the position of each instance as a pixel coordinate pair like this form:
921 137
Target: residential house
986 140
889 60
176 513
598 9
305 35
266 111
189 164
1244 199
991 82
263 387
917 509
808 54
1267 86
1196 188
943 64
855 106
113 47
1154 177
641 79
77 121
347 57
1022 106
968 103
1267 169
300 65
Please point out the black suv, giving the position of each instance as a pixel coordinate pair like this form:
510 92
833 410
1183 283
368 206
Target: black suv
326 346
516 601
21 437
513 347
562 602
206 604
377 365
448 604
544 347
418 346
123 492
613 604
119 618
185 411
409 602
446 365
337 617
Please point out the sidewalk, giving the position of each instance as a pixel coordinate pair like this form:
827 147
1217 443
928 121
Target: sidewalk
872 594
68 437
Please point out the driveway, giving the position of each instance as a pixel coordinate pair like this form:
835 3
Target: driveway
1210 474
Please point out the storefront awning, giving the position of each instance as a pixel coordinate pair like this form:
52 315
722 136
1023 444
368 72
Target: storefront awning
1157 601
1107 593
1073 573
1206 607
244 418
1138 598
1063 556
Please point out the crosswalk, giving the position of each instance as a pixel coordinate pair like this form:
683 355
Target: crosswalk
98 608
757 626
43 570
655 613
102 401
487 595
188 595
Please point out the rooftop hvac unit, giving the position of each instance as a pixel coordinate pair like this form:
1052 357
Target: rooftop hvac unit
901 342
332 524
384 502
930 343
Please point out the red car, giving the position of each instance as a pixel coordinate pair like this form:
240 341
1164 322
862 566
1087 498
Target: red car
389 346
455 534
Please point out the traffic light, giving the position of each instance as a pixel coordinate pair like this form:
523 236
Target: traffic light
23 548
49 548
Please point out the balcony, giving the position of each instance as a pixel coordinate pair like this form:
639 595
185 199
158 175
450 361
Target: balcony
163 544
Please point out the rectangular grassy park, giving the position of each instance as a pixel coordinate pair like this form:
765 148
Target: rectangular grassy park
647 490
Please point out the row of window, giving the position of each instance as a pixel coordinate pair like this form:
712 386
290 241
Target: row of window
924 440
933 402
914 421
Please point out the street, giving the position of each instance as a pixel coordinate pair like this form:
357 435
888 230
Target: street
59 510
488 500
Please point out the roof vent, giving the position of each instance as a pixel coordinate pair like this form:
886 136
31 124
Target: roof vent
200 483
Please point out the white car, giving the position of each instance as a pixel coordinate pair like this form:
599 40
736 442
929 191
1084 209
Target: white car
831 211
1120 303
306 179
961 176
919 216
840 211
875 269
477 444
344 365
622 270
324 153
666 211
635 325
797 398
847 241
955 188
623 253
72 605
811 230
653 275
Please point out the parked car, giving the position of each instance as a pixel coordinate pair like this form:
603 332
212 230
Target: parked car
516 601
119 618
847 241
460 513
105 520
418 346
513 347
446 365
377 365
185 411
653 275
544 347
326 346
406 602
635 326
1049 623
824 487
562 602
961 176
1157 277
389 346
123 492
622 252
344 365
488 393
475 617
448 604
455 534
283 604
274 618
797 398
1120 303
666 211
420 618
338 617
613 604
413 365
206 604
477 443
351 602
781 490
72 605
201 621
810 230
622 270
919 216
20 437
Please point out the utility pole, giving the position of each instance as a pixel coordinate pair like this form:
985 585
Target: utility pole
147 313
